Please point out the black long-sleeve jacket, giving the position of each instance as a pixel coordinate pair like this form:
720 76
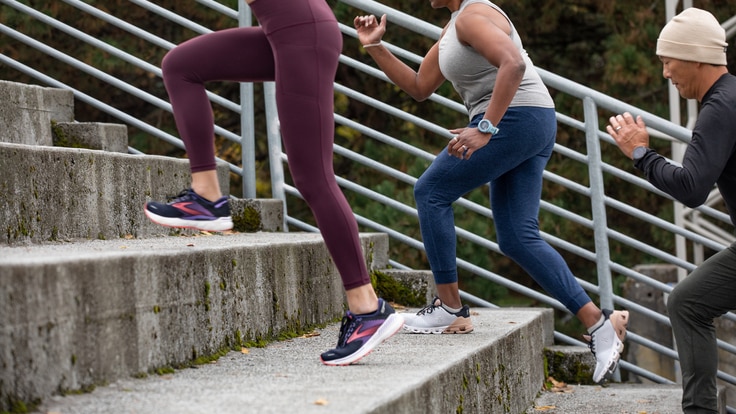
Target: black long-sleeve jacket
709 159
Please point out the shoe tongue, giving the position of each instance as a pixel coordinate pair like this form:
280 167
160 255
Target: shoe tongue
437 301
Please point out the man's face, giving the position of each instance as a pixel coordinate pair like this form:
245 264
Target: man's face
683 74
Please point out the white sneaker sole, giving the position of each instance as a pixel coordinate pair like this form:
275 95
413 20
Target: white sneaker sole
219 224
458 327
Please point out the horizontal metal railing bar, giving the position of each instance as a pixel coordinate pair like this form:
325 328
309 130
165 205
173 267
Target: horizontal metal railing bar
220 8
171 16
390 110
395 50
122 24
434 97
367 162
386 139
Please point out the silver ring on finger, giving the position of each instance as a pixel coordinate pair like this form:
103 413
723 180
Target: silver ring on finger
618 128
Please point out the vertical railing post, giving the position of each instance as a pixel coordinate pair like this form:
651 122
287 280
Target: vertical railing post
247 130
274 147
598 204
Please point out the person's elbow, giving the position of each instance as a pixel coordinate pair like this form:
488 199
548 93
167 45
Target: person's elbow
693 199
518 67
420 97
420 93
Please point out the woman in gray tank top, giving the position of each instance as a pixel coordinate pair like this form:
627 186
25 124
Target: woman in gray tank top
507 143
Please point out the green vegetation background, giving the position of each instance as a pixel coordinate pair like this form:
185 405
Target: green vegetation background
608 46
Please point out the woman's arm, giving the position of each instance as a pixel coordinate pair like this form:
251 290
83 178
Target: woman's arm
487 31
420 84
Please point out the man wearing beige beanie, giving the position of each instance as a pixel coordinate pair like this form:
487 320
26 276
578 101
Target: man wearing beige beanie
692 49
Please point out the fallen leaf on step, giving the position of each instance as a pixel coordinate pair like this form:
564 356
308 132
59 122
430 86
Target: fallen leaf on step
310 334
321 401
544 408
128 237
244 350
190 244
559 386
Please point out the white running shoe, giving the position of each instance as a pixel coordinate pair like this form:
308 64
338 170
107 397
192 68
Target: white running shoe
435 319
606 343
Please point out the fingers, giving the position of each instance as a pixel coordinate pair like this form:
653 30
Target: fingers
621 122
457 149
367 21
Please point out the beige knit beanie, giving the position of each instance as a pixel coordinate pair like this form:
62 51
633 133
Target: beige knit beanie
693 35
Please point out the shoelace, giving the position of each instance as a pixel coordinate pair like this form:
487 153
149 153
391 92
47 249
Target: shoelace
428 309
591 345
347 326
182 196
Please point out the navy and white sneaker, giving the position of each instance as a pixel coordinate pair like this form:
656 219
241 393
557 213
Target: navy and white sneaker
361 334
189 210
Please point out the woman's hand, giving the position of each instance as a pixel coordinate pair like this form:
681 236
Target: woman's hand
370 30
466 142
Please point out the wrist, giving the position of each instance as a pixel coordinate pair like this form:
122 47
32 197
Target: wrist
485 126
639 152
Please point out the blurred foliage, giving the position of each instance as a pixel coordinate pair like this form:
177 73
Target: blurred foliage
607 46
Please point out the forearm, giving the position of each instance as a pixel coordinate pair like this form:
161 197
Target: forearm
507 84
419 85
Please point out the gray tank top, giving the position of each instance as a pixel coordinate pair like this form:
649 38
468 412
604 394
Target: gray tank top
474 77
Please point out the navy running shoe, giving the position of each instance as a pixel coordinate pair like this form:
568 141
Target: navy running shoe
361 334
189 210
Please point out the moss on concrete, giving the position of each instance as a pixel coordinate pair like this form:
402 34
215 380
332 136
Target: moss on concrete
248 221
61 139
394 290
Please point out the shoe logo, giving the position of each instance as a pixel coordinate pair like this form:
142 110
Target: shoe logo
361 334
184 206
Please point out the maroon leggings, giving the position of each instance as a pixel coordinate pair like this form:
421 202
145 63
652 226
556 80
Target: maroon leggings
297 46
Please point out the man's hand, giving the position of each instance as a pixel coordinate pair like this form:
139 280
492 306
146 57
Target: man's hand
628 133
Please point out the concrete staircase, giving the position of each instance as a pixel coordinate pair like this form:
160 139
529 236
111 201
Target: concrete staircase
102 311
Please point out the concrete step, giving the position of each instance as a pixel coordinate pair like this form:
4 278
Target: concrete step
27 111
75 315
496 369
55 193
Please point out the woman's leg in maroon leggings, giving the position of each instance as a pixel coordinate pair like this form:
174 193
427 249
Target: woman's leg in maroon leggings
304 83
306 61
241 54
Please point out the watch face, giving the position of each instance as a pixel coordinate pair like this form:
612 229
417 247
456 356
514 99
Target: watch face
639 152
484 126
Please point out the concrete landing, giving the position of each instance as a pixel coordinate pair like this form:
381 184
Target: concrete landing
611 399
